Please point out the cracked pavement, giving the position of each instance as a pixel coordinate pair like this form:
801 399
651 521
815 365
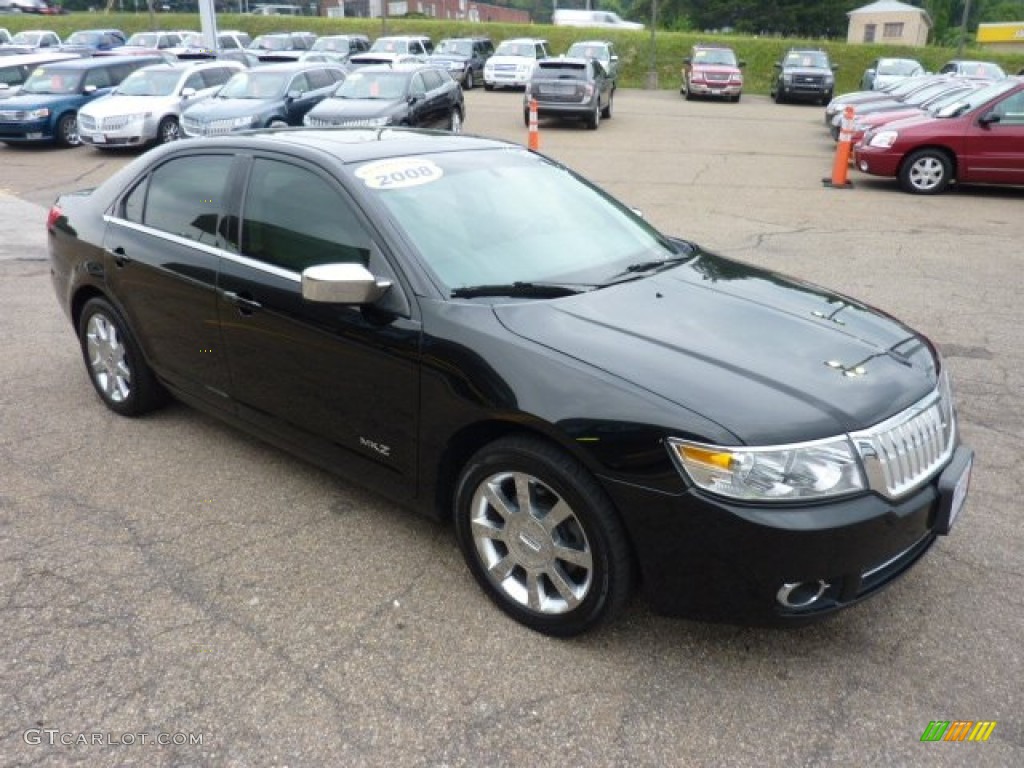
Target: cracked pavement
171 575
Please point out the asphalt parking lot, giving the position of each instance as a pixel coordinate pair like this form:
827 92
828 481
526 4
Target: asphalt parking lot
172 576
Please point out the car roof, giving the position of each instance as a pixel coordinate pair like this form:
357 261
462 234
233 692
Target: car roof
105 61
293 66
36 58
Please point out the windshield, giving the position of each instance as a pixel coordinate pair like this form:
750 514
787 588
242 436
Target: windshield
84 38
976 99
389 45
26 38
269 43
144 40
508 216
386 86
585 51
192 40
156 82
517 49
898 67
254 85
718 56
815 59
461 47
55 81
980 69
331 44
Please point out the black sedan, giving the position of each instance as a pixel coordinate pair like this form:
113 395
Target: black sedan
578 89
274 96
415 95
478 333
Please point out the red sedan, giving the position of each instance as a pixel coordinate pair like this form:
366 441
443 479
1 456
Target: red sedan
979 139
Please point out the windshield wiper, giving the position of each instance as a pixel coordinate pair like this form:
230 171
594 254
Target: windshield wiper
655 265
516 290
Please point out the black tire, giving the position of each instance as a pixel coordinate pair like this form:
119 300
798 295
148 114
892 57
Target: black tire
561 577
526 118
736 98
488 86
926 172
455 121
469 81
606 113
67 130
594 119
687 93
168 130
779 98
115 364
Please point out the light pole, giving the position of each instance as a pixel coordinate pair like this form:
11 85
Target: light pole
963 30
652 72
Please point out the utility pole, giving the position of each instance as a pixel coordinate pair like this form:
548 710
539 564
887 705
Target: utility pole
963 30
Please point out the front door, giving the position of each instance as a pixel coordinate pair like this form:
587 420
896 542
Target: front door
995 150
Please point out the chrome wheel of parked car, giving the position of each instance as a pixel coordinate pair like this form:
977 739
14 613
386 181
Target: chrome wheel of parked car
926 172
114 361
168 130
541 537
455 121
67 131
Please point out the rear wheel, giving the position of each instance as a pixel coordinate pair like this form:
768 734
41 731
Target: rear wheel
469 81
541 537
594 119
116 367
606 113
67 131
926 172
488 86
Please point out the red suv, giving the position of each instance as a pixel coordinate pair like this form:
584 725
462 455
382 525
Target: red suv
978 139
712 70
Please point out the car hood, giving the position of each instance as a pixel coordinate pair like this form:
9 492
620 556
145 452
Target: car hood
217 109
818 71
335 108
495 60
447 57
128 105
769 359
24 100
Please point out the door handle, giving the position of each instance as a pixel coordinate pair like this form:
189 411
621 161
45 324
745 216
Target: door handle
120 256
245 303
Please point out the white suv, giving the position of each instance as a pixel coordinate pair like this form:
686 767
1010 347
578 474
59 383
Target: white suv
513 62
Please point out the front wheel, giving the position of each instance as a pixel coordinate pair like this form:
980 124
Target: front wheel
277 123
541 537
116 367
469 81
488 86
455 121
168 130
67 131
926 172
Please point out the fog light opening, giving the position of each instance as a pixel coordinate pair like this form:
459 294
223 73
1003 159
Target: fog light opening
799 595
863 165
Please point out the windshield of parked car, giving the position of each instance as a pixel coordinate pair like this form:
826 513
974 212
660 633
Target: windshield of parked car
461 47
517 49
719 56
331 44
84 38
255 85
586 51
387 86
389 45
270 43
154 82
53 81
978 98
144 40
980 69
898 67
807 59
509 216
27 38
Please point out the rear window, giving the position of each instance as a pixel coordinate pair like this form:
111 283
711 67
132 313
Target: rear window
563 70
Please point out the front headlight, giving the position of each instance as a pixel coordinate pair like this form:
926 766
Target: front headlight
37 114
815 470
243 122
883 139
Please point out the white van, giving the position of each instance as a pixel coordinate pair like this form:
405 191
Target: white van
607 19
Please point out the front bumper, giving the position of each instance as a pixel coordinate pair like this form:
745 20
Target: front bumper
27 132
876 161
710 558
130 134
715 89
509 78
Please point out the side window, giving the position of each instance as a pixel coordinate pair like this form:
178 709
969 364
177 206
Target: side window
99 77
416 88
228 42
1011 110
539 52
294 219
215 76
186 197
299 83
432 79
134 202
195 81
318 78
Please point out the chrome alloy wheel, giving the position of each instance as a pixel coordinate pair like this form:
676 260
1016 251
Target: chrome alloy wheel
926 173
530 543
107 358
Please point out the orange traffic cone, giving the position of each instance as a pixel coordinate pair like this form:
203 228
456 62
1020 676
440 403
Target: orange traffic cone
841 163
534 142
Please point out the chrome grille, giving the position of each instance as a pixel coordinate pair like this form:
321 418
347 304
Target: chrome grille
87 122
11 116
903 452
115 123
717 77
318 122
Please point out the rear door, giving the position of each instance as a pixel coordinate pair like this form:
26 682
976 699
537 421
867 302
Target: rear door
995 150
